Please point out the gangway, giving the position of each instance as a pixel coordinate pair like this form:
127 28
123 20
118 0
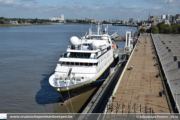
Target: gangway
114 35
119 51
128 45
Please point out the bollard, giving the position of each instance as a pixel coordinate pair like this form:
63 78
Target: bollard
155 64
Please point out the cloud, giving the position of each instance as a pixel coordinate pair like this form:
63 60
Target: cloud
154 1
157 8
95 8
134 6
9 3
33 1
99 3
78 2
165 3
168 1
100 11
172 3
138 11
117 3
54 6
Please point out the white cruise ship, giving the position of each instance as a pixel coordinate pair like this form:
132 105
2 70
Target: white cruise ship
88 61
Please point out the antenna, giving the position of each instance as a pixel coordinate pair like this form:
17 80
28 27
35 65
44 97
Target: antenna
82 27
138 18
92 18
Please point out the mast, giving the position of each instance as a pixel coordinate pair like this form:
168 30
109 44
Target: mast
98 29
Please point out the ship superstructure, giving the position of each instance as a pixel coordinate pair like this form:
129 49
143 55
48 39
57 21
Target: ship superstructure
88 59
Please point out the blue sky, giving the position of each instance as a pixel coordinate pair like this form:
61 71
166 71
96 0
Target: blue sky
98 9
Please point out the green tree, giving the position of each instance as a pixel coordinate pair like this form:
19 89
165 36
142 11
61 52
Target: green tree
178 29
105 22
167 29
175 28
2 22
19 21
161 27
1 17
154 29
142 30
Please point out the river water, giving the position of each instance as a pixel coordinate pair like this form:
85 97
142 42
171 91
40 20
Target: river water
28 56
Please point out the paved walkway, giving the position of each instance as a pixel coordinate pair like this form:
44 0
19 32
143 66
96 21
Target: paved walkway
139 87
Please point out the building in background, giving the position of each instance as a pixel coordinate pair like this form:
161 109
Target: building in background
173 19
167 22
130 20
163 17
90 20
169 17
177 17
13 22
152 18
60 19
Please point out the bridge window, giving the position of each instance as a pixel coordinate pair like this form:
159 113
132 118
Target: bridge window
62 63
86 44
95 64
86 64
79 55
67 63
76 63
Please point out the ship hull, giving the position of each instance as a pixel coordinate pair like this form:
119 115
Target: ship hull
73 92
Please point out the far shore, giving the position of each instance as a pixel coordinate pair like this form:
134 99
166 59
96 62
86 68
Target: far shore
14 25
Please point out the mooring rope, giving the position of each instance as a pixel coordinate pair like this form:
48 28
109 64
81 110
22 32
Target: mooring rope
64 102
70 101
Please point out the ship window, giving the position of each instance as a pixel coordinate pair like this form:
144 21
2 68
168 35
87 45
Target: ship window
79 55
95 64
94 37
76 63
67 63
86 64
72 63
90 64
81 64
86 44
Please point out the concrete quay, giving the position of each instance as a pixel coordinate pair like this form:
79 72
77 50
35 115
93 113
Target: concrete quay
141 90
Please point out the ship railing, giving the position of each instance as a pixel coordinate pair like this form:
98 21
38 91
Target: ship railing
95 33
72 80
79 57
79 65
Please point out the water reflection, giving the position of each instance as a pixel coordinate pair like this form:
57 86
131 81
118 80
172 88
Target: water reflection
47 94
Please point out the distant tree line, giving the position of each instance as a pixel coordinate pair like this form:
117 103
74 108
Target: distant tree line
84 21
39 21
2 20
165 28
106 22
23 20
78 21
